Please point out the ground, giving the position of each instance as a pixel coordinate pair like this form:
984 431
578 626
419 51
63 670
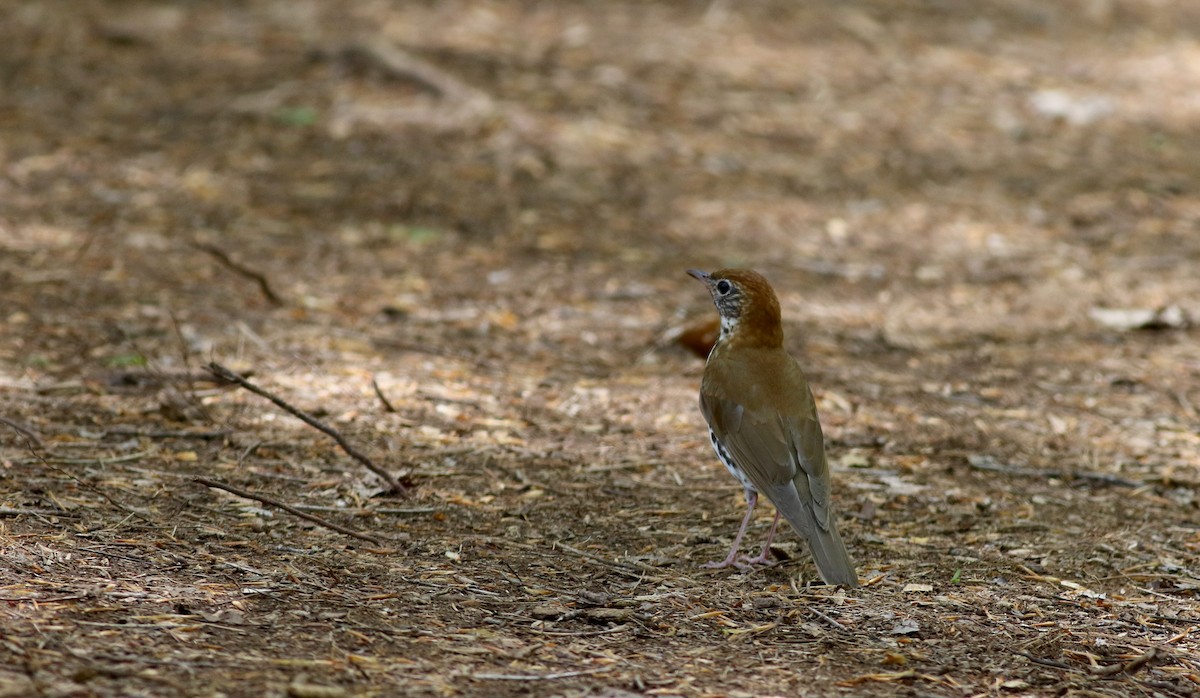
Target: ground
456 233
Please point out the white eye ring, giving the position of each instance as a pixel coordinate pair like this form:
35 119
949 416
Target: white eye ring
724 287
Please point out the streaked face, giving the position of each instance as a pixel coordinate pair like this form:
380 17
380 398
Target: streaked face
726 295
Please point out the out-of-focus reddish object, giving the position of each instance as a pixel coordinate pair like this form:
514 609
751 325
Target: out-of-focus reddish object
698 337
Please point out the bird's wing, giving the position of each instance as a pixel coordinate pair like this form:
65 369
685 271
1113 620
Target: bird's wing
722 415
808 443
764 448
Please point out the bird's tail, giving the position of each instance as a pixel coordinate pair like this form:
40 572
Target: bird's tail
828 550
833 562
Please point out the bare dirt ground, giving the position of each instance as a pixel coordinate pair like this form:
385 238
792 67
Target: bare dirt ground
485 209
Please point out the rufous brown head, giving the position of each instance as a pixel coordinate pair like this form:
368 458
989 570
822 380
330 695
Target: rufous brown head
747 305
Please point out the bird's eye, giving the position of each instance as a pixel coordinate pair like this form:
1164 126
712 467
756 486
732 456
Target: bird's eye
724 287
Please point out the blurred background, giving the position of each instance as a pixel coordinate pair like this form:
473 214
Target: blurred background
983 220
927 170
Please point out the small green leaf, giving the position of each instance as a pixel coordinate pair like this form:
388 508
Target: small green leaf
127 360
957 578
416 235
37 360
298 116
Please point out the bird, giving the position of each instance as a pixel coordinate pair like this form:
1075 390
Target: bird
763 424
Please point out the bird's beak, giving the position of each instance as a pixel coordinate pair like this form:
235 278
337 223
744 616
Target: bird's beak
701 275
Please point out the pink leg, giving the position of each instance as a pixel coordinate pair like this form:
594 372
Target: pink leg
751 500
764 557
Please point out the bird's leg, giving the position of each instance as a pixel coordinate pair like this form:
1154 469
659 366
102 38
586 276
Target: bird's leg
751 500
764 556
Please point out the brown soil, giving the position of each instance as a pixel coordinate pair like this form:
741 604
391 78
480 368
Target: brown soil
485 209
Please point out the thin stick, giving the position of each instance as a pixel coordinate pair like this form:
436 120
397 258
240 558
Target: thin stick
169 433
224 373
582 633
538 677
387 405
264 286
1126 667
1182 398
625 566
7 511
366 512
131 512
826 618
86 461
179 338
23 430
1046 662
990 464
405 66
289 509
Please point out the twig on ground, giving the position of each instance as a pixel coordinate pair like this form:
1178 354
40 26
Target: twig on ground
224 373
1047 662
989 464
539 677
629 569
1182 398
402 65
456 104
358 511
1093 667
264 286
627 566
180 339
169 433
419 348
85 461
387 405
404 510
29 444
826 618
8 511
22 429
290 509
581 633
1126 667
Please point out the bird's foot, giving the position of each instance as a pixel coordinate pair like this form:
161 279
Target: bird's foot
730 561
746 562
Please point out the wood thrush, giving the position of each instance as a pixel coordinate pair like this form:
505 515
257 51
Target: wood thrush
762 420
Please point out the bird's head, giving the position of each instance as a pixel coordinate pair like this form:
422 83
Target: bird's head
747 304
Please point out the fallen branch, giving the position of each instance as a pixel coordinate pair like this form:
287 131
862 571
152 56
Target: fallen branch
991 465
289 509
264 286
1125 667
224 373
